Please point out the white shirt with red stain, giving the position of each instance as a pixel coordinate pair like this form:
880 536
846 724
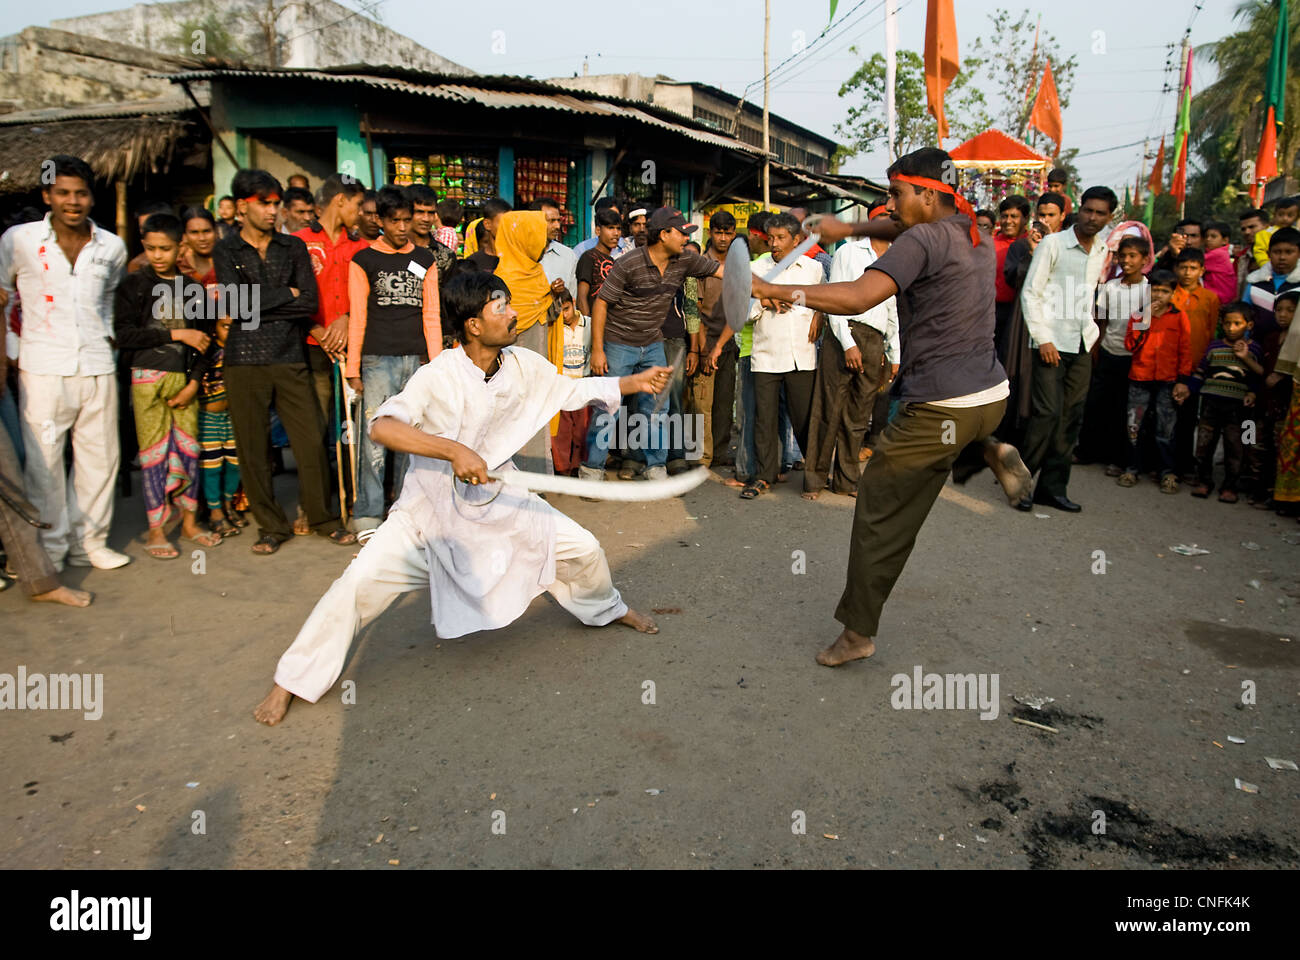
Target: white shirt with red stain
67 308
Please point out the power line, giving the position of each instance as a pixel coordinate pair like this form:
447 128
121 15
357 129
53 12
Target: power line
804 51
803 69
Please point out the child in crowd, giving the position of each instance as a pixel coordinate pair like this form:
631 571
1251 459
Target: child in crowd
569 445
1220 272
450 213
1202 309
1286 211
594 264
1103 438
1281 388
167 365
1161 357
1228 379
220 462
1274 404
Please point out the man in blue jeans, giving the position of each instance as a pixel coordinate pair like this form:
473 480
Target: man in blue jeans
627 321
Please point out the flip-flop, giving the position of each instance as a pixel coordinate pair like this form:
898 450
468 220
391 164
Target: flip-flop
342 537
205 539
224 528
162 551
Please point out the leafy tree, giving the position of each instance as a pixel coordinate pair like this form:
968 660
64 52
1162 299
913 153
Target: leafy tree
1006 62
206 36
1227 116
866 125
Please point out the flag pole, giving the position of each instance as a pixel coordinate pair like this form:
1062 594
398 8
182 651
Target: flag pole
1187 145
767 163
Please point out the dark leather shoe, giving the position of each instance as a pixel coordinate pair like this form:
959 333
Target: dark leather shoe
1060 503
1025 504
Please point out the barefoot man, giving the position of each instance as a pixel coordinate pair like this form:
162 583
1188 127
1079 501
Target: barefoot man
951 385
484 549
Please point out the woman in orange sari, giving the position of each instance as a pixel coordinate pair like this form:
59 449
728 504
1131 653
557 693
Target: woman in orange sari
520 241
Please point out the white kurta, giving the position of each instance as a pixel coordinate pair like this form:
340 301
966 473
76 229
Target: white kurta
484 552
491 549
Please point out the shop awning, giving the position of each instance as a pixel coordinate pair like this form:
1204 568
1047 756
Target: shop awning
496 92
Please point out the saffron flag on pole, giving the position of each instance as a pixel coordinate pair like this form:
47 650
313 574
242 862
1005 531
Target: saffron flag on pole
1274 103
1182 133
1156 182
1046 115
941 63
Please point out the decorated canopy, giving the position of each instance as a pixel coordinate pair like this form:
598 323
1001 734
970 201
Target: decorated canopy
994 165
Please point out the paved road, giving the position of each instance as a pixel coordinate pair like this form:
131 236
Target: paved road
540 730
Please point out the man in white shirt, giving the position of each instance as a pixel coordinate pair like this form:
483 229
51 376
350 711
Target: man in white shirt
1057 301
559 262
784 353
850 373
66 270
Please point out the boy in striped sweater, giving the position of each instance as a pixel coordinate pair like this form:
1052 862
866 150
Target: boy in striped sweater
1228 379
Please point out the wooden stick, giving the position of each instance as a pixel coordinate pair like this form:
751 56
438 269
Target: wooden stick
1040 726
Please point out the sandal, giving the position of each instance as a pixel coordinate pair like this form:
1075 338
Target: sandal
266 546
162 551
205 539
1202 490
342 537
1127 479
1169 483
1227 496
224 528
754 489
237 518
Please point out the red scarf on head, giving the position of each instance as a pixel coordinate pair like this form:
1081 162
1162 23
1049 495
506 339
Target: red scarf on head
963 205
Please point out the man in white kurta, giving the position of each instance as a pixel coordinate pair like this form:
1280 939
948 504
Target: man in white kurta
484 550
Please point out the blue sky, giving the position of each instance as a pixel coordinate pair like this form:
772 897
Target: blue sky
1117 95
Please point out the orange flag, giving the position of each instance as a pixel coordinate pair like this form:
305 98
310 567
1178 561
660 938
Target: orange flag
1046 115
1156 181
941 63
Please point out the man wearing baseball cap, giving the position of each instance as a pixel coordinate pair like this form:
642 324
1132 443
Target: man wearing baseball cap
627 318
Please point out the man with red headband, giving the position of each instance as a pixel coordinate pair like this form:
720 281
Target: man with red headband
952 388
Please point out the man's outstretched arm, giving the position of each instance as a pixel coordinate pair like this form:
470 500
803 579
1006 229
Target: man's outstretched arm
845 299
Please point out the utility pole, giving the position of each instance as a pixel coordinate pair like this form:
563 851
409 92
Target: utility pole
767 166
1187 145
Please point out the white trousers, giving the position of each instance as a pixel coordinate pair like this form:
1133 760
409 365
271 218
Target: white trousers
52 408
393 562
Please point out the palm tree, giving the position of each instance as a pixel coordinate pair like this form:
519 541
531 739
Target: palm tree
1227 115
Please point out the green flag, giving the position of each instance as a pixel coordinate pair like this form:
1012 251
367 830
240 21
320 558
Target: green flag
1275 91
1150 208
834 2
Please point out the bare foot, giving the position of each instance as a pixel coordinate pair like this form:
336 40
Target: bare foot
301 526
847 646
272 710
864 454
811 494
1004 460
733 482
639 622
67 596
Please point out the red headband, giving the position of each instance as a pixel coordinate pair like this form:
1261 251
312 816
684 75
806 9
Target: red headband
963 205
880 211
266 199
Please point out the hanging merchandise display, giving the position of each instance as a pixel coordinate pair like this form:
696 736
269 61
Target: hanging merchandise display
544 177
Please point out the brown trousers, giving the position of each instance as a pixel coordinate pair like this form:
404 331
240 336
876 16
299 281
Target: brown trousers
899 485
841 410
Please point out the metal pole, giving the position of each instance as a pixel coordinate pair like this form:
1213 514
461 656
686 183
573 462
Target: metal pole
1187 146
767 164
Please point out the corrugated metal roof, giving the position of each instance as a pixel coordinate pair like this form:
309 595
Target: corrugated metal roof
518 93
163 106
840 185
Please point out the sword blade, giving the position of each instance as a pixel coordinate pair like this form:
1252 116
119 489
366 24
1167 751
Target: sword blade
634 492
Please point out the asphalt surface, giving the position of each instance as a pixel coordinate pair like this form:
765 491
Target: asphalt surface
532 746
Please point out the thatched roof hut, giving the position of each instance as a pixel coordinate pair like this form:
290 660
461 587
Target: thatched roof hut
117 148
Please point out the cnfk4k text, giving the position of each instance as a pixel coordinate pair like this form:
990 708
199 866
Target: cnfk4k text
102 913
55 691
946 691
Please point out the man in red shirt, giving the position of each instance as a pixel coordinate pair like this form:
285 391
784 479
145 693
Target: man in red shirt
1013 217
331 241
